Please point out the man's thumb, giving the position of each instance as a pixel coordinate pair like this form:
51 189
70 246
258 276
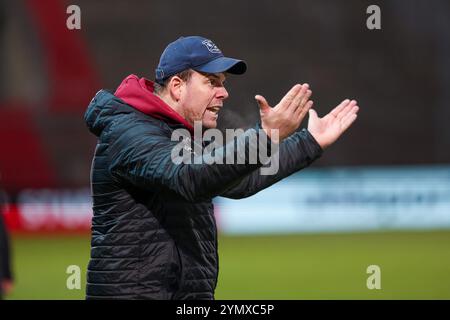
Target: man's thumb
313 113
262 102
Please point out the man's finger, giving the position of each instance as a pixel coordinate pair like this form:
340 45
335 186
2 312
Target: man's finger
262 102
304 100
355 109
289 97
313 114
347 121
348 117
339 107
346 109
306 97
300 113
296 102
298 98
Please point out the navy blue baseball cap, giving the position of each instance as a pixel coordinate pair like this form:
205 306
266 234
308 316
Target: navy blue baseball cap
195 53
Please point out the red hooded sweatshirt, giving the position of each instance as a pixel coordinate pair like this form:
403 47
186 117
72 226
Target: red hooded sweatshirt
138 93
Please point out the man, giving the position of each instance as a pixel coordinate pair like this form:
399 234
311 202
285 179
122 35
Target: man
154 234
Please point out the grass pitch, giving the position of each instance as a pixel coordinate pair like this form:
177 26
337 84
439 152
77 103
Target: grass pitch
414 265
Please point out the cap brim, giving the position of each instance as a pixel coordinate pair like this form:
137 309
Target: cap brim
223 64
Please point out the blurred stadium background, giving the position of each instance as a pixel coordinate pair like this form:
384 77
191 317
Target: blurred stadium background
381 196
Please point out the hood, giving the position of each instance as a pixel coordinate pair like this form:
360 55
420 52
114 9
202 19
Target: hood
138 93
135 92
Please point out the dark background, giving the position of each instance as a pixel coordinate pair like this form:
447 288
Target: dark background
400 74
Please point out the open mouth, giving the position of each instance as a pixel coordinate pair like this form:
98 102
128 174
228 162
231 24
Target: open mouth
214 110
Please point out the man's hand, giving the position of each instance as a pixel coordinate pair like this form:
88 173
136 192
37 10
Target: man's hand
286 115
328 129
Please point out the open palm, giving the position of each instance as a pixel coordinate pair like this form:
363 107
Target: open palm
328 129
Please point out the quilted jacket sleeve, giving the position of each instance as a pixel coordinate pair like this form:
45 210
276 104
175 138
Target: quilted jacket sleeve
142 156
295 153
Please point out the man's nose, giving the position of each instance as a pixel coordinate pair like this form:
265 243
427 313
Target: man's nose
222 93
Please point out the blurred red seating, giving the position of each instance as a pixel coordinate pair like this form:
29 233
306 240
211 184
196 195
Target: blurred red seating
23 160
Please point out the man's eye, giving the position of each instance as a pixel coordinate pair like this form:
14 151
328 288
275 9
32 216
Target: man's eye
215 82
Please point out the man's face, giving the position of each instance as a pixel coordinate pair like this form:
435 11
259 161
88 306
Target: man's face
203 97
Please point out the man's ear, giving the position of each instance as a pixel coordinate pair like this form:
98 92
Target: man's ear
175 87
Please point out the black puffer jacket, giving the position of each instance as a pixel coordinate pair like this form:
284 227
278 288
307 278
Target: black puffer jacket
154 234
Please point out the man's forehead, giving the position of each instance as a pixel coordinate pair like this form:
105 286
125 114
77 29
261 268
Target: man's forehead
220 75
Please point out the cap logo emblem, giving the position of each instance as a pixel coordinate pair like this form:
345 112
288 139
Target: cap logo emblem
211 46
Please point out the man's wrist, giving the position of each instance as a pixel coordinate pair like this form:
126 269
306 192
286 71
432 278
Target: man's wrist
315 141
